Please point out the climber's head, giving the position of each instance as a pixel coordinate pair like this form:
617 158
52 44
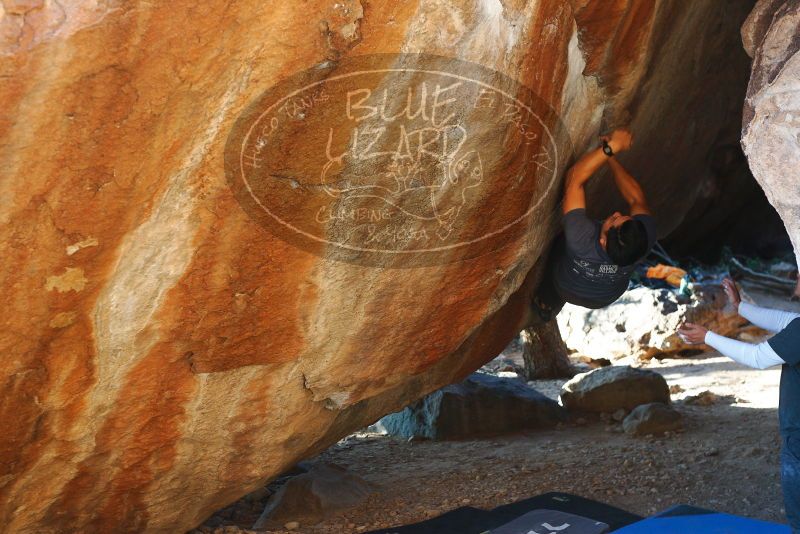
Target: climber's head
623 238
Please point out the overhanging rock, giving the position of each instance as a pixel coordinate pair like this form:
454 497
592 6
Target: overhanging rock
164 352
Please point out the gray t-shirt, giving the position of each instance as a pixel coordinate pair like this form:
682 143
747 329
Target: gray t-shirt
585 274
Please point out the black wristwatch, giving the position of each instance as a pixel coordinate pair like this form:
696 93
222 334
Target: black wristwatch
607 149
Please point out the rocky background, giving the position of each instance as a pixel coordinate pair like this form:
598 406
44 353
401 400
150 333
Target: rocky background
771 36
164 355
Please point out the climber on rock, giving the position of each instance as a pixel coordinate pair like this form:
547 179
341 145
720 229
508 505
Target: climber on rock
592 261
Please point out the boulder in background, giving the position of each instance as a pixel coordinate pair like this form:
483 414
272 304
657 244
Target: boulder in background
608 389
652 418
482 405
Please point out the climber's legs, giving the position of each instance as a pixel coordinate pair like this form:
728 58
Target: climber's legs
547 300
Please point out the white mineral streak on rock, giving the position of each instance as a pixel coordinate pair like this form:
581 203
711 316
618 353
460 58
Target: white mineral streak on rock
489 35
582 98
84 243
495 28
337 316
72 279
24 24
152 258
226 406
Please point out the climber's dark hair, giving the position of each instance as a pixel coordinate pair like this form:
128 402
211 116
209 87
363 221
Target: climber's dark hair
627 243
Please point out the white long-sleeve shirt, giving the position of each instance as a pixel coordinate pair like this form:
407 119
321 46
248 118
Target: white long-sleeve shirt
759 355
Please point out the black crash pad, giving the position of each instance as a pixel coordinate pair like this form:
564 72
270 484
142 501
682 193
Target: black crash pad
469 520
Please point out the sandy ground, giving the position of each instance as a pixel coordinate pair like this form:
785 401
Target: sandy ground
726 459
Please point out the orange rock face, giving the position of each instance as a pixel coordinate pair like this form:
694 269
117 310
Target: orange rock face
167 348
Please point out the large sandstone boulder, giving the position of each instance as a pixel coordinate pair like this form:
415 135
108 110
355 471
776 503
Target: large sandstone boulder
771 116
170 342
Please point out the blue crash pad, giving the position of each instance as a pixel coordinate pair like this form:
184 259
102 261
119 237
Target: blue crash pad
684 519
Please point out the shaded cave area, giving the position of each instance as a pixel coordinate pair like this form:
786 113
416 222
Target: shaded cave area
731 212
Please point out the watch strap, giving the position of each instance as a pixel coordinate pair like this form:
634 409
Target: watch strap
607 150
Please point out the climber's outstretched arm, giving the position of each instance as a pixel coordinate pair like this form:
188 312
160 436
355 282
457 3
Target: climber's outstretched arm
579 174
629 188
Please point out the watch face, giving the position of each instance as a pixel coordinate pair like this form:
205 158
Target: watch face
607 149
